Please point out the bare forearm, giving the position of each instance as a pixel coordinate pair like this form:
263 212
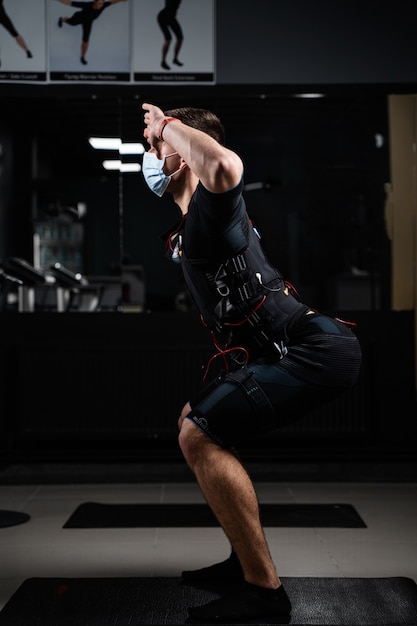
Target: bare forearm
218 168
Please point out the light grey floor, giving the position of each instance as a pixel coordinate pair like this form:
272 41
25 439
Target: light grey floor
42 548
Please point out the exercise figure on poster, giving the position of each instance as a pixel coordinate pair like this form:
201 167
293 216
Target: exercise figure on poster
10 27
168 23
89 11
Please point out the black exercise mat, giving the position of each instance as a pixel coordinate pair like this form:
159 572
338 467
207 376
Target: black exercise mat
134 601
12 518
96 515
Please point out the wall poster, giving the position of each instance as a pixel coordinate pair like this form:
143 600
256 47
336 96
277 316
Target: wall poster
173 41
23 40
107 41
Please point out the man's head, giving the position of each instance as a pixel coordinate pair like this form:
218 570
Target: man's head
203 120
157 173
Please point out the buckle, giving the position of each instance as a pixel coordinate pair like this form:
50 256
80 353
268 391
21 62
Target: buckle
281 348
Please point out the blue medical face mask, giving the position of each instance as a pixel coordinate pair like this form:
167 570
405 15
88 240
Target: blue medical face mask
153 172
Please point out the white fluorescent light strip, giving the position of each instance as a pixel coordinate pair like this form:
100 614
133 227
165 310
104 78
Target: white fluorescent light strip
132 148
112 165
309 95
130 167
105 143
121 167
114 143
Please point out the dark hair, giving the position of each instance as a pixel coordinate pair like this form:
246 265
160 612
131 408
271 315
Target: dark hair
203 120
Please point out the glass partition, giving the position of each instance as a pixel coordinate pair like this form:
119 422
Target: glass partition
316 170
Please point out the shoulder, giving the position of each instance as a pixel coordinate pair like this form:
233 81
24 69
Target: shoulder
218 207
223 197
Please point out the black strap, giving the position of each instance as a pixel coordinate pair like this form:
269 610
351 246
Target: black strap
256 395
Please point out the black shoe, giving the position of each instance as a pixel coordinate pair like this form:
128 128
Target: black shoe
83 61
177 62
249 602
229 570
165 65
29 54
60 22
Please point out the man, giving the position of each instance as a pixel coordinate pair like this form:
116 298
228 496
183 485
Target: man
278 358
89 12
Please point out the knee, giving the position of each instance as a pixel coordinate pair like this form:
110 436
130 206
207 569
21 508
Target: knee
185 437
190 441
185 410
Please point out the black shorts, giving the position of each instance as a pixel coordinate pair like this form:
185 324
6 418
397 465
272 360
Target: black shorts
323 360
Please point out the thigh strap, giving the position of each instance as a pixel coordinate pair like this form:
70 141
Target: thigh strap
256 395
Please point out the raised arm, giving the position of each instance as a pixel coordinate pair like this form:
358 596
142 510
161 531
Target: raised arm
218 168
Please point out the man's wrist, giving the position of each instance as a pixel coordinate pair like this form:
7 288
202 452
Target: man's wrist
165 121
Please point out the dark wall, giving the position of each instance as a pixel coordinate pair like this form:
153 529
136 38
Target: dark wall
106 386
316 43
5 189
